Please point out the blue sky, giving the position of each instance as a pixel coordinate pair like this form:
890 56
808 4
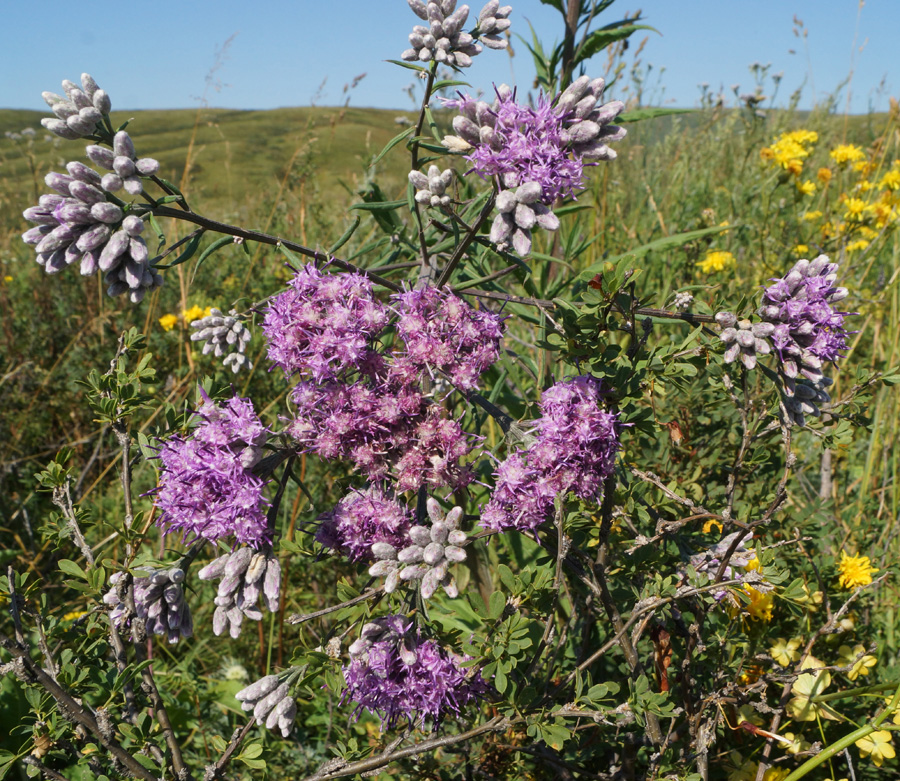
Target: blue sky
280 52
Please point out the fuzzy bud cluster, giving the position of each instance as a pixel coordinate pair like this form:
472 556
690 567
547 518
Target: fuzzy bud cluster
124 167
707 563
431 190
223 335
78 224
244 575
682 301
518 212
158 601
270 700
745 340
78 113
427 557
537 152
442 38
207 488
804 397
807 330
362 518
574 449
399 676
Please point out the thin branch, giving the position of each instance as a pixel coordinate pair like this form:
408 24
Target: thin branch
297 618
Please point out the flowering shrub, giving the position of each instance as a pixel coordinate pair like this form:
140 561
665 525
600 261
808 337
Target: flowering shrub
478 508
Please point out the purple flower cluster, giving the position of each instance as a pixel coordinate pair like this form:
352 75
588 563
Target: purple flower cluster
81 223
574 450
362 518
396 674
207 489
807 329
382 426
323 324
366 404
537 152
441 332
158 600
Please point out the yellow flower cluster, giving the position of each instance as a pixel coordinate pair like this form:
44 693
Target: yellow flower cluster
855 571
847 153
790 150
716 260
168 321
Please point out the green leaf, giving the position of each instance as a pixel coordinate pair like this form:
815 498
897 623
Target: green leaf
378 206
391 144
408 66
598 40
639 114
251 751
557 4
345 237
659 245
496 604
71 568
216 245
258 764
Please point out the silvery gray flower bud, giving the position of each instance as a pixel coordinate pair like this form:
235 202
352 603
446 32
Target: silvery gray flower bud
158 601
683 301
431 189
223 335
239 575
519 211
60 128
746 342
443 39
270 701
428 555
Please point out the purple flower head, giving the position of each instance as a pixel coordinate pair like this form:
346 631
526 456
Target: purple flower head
574 449
323 324
547 143
396 674
442 332
207 489
362 518
808 331
383 425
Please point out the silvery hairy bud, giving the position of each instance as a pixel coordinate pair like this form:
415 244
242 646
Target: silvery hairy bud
442 38
223 335
428 558
492 21
244 575
79 112
518 212
431 188
158 601
269 699
745 340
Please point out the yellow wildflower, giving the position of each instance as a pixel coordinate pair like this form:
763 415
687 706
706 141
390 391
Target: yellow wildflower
824 175
806 688
795 743
801 249
864 167
853 246
753 564
812 599
761 604
864 186
716 260
802 136
858 657
766 153
74 614
168 322
891 180
195 313
846 153
807 187
711 524
786 651
855 571
794 166
750 674
855 208
812 215
776 773
877 745
884 212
